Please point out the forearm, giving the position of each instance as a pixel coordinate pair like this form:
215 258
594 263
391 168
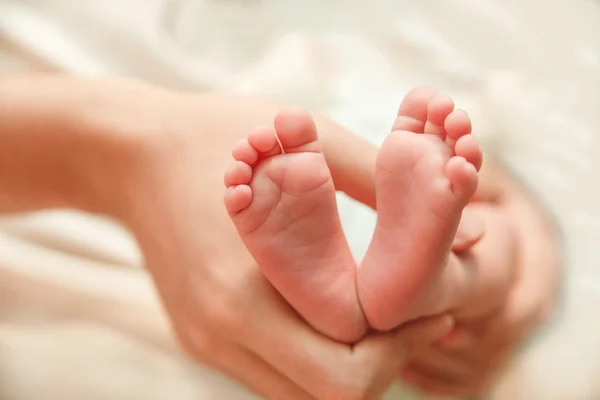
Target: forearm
72 142
51 155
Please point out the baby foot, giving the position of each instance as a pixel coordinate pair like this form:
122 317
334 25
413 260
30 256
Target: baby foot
426 174
281 198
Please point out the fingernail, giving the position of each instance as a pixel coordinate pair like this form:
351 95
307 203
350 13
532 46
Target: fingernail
446 326
449 341
457 339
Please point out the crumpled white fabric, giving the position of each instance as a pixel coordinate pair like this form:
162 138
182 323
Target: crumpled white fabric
79 317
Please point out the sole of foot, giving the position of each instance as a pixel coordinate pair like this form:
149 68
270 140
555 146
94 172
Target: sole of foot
426 173
281 198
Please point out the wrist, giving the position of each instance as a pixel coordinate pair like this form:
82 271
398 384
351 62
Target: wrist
57 148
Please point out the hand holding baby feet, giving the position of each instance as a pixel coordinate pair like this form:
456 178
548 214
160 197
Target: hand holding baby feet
281 198
426 174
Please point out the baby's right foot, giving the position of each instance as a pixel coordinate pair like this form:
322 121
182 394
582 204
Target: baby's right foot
281 198
426 174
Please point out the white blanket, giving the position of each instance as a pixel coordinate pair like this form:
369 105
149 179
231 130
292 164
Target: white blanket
79 317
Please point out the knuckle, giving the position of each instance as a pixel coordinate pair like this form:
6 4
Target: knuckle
224 302
219 306
221 313
196 343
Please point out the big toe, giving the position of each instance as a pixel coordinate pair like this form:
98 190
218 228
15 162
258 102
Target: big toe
296 131
412 114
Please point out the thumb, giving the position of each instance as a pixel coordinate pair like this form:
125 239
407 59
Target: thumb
351 161
422 332
381 355
470 230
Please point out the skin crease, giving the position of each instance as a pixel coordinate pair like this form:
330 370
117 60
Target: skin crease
163 152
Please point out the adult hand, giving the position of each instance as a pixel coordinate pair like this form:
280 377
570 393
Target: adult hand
154 159
468 361
223 311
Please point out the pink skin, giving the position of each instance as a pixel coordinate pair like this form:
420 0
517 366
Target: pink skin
426 175
281 198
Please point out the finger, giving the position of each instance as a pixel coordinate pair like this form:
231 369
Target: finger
530 297
428 384
372 353
351 160
480 350
444 366
455 281
423 332
502 332
323 367
492 181
243 366
459 339
282 339
435 386
470 231
491 355
532 294
478 278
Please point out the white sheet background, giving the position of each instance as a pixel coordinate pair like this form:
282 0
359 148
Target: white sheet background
78 317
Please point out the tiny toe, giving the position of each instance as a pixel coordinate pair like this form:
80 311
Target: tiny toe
296 131
463 176
244 152
412 114
264 140
237 198
457 125
437 111
468 148
239 173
